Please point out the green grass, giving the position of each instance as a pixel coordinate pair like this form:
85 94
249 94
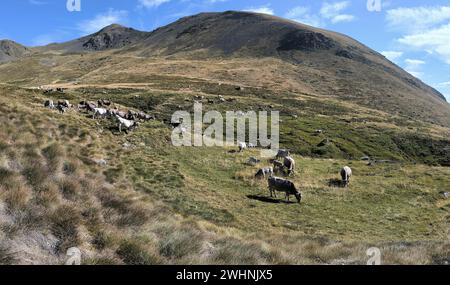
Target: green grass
151 199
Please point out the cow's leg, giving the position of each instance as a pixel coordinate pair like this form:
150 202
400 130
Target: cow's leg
120 128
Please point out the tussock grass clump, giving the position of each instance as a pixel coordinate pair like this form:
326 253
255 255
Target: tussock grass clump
69 187
233 251
180 242
65 221
102 260
36 174
6 256
129 214
18 197
8 178
53 153
133 252
102 240
48 195
70 167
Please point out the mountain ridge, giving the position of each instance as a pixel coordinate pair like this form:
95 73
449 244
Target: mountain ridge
10 50
322 62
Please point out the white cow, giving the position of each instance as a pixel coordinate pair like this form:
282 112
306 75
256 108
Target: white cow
49 104
242 146
346 173
264 172
99 112
128 124
289 163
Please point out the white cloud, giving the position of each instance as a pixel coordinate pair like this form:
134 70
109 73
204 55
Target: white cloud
303 15
415 19
37 2
262 10
329 12
392 55
413 66
414 62
435 40
423 28
444 84
333 12
102 20
215 1
298 11
342 18
152 3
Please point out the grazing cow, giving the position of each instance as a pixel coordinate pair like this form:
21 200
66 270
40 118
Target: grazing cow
121 114
103 103
242 146
91 106
263 172
282 153
81 107
277 165
61 109
129 125
283 185
289 163
64 103
149 117
346 173
132 115
101 112
49 104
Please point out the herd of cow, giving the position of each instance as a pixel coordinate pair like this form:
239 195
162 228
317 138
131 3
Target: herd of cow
126 120
287 168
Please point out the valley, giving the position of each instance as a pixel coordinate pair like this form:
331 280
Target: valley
153 203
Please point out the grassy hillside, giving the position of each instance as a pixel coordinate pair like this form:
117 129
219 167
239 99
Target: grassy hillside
152 203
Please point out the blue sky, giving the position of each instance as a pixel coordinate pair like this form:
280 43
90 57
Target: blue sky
415 34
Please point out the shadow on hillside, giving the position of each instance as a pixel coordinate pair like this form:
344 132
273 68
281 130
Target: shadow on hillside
269 199
333 182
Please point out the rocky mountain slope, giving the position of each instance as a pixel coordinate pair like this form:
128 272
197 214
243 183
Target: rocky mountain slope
69 180
329 63
111 37
10 50
308 61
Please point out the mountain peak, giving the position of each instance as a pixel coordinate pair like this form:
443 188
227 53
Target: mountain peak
112 37
10 50
113 27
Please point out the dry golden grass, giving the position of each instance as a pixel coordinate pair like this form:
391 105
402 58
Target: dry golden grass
154 205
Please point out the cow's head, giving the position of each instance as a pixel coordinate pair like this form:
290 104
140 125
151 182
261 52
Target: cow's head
298 195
